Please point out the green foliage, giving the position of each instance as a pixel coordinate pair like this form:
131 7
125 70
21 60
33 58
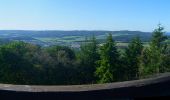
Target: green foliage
158 38
165 60
109 62
60 69
131 58
24 63
87 60
15 66
153 59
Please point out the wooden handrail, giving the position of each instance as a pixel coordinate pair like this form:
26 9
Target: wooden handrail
151 87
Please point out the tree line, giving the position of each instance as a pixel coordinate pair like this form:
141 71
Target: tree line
24 63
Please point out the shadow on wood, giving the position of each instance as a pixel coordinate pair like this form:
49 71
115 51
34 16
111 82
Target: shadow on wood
157 86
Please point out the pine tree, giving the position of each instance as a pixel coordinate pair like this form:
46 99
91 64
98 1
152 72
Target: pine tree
151 59
88 57
158 38
132 54
109 62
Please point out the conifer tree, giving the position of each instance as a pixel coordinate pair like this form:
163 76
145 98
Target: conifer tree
88 57
151 59
109 62
132 54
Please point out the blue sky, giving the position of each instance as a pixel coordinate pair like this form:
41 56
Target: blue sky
143 15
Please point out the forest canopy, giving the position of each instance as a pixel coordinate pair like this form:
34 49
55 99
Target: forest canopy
25 63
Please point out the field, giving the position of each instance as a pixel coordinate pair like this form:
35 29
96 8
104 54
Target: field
72 38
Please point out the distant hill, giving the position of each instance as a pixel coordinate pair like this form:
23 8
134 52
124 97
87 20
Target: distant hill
46 38
63 33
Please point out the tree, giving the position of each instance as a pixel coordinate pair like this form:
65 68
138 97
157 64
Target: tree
165 60
15 65
132 54
158 38
108 64
62 70
151 59
87 58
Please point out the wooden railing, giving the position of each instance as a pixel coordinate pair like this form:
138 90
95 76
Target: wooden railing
157 86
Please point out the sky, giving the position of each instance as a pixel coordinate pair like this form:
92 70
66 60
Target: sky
142 15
